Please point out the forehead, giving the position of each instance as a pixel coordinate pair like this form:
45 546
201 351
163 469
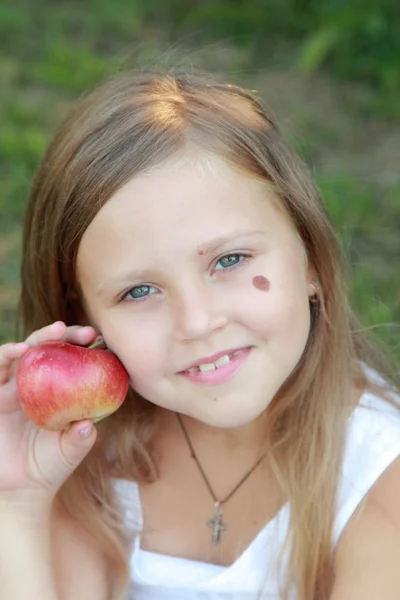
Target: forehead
179 206
182 191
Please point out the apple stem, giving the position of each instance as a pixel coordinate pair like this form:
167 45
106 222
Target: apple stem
98 342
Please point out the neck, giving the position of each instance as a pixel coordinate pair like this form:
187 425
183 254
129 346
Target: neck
226 456
249 437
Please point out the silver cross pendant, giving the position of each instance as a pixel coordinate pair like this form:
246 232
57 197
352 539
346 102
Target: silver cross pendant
216 524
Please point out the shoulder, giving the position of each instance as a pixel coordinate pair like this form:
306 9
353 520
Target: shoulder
372 444
367 553
367 557
76 554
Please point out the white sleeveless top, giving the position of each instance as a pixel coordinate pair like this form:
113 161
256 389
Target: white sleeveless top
373 442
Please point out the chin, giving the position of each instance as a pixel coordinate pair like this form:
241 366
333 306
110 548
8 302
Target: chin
232 418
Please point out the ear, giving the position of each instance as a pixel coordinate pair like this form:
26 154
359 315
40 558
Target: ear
312 282
312 288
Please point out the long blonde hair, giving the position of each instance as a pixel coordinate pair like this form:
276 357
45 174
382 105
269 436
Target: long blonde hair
130 124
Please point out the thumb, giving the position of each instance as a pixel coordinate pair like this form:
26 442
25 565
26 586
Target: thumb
76 442
59 454
55 455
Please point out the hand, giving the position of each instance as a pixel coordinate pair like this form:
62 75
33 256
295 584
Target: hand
36 462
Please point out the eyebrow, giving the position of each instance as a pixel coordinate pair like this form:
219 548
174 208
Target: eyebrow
203 250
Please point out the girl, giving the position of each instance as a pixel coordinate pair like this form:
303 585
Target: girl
256 455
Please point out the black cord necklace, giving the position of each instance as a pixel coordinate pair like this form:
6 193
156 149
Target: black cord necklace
216 523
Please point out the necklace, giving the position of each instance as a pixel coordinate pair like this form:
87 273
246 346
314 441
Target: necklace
216 523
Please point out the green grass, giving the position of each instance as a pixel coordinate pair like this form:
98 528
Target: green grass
51 52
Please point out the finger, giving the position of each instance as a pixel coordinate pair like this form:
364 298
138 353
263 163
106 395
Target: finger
52 332
75 334
9 400
80 335
77 441
8 354
57 455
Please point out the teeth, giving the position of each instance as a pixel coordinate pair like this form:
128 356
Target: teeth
223 360
207 367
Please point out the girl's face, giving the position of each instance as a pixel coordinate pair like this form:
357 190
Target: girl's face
189 262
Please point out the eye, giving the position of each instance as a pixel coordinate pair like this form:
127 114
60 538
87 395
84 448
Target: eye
230 261
138 293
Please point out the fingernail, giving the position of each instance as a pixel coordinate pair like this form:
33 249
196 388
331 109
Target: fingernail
85 431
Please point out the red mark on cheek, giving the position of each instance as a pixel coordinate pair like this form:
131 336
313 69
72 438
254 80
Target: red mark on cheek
261 283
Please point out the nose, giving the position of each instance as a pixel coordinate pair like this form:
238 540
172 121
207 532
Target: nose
197 313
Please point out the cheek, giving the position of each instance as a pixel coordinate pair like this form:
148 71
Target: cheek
261 283
140 347
288 321
283 311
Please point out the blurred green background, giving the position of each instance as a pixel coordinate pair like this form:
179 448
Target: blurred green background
329 71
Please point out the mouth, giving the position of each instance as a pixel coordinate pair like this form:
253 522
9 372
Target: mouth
220 369
214 362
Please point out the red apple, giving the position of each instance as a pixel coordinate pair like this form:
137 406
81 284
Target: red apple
59 383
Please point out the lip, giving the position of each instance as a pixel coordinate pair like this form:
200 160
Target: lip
212 358
222 374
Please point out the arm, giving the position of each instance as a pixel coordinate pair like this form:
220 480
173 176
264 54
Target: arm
367 558
25 559
81 571
49 558
34 464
